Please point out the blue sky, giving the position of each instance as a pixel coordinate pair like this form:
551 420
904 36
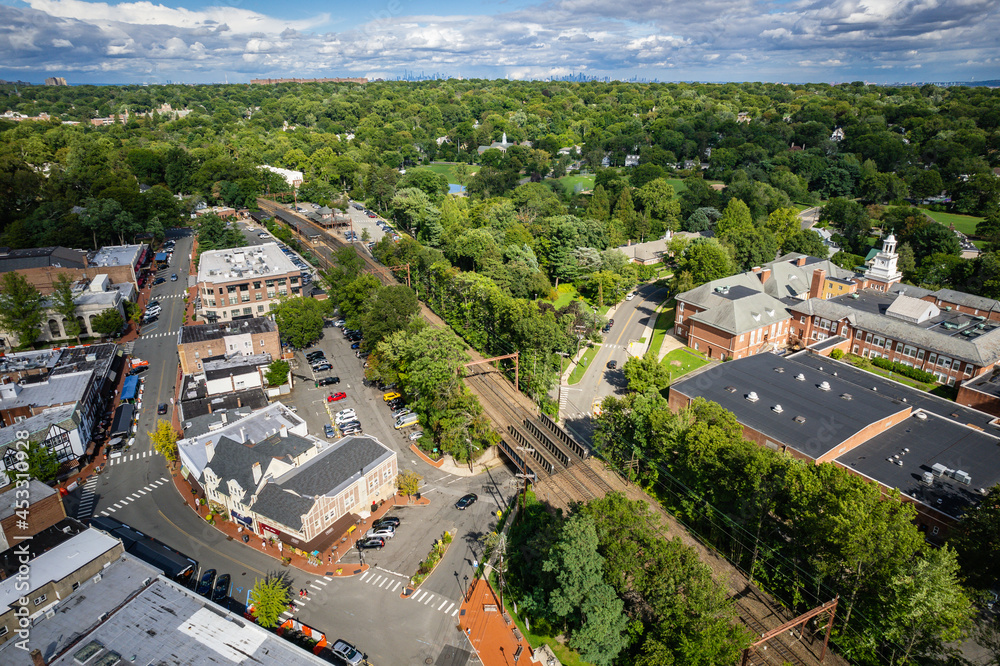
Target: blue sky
670 40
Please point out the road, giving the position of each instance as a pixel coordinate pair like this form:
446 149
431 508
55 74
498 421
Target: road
631 319
366 610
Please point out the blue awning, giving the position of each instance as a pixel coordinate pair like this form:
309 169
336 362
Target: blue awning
130 388
161 256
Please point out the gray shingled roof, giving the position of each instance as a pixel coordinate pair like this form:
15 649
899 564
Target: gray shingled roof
982 351
968 300
282 506
234 460
743 313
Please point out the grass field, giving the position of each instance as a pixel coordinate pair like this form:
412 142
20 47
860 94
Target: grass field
448 170
569 183
664 322
566 656
581 367
964 223
682 361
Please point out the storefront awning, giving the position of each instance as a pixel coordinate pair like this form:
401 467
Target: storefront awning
130 389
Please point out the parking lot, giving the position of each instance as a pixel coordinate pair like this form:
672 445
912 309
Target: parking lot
420 525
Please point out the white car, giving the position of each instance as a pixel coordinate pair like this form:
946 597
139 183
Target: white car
344 417
414 436
384 532
630 297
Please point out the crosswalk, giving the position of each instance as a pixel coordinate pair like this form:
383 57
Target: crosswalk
316 586
87 500
163 297
128 457
388 583
125 501
165 334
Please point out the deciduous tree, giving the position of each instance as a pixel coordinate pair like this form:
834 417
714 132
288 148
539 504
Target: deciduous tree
269 597
21 308
164 439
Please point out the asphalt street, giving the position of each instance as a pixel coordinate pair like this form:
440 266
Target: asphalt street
366 610
599 381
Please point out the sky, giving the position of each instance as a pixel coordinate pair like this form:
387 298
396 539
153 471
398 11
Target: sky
212 41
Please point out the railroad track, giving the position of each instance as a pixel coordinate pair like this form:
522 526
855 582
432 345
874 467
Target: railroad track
759 655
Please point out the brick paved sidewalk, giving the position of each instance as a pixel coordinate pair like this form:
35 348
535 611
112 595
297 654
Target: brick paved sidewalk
493 635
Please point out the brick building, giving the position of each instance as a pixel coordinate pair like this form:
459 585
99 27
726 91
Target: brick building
939 455
243 283
247 337
44 509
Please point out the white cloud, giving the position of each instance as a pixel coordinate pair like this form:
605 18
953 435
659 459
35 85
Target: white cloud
62 43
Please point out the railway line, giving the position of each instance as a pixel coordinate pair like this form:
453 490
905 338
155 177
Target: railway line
533 442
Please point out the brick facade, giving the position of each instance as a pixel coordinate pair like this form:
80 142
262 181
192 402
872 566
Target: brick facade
192 354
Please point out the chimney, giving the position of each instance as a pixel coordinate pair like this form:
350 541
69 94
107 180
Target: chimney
209 407
284 430
801 261
36 658
765 273
257 473
816 288
239 402
209 450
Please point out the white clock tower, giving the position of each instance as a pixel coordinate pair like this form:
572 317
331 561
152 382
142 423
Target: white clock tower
883 271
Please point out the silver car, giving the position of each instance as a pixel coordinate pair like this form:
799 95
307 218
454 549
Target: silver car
383 531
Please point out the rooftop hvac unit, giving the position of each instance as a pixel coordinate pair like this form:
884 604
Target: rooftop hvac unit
824 386
777 409
920 415
928 478
962 477
800 377
939 469
899 463
752 396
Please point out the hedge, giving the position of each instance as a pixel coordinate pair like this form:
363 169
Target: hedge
905 370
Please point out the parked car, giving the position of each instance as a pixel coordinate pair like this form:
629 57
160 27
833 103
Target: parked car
376 542
382 531
327 381
355 345
263 235
149 319
345 416
162 409
329 431
353 424
402 411
612 365
391 395
630 296
315 354
320 367
154 310
414 436
362 354
205 584
355 337
387 520
159 280
466 501
334 397
173 277
339 323
221 590
395 403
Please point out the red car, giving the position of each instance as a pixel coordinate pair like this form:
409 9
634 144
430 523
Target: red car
334 397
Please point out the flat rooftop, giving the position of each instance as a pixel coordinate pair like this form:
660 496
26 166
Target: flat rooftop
117 255
988 383
948 323
245 263
899 457
811 420
255 326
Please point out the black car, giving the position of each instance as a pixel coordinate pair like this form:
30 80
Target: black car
395 404
221 590
466 501
327 381
371 542
320 367
136 371
162 409
315 356
159 280
355 337
205 584
612 365
387 520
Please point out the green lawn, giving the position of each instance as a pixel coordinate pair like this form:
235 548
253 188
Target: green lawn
964 223
567 293
664 322
581 367
862 363
569 183
449 170
566 656
682 361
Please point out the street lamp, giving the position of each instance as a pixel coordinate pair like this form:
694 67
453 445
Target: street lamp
465 591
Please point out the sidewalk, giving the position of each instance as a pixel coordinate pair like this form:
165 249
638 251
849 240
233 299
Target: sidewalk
494 636
487 461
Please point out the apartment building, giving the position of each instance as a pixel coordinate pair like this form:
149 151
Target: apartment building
243 283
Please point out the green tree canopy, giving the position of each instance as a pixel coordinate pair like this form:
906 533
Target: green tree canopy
21 308
300 319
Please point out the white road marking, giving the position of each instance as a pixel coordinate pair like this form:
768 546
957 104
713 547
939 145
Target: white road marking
396 587
442 604
428 599
449 607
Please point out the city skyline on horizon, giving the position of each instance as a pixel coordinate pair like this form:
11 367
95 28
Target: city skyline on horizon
780 41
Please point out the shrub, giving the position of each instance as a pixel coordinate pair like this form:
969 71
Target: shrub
905 370
837 354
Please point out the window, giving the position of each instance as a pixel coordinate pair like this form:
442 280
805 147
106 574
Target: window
696 346
908 350
247 311
741 337
680 307
802 319
920 355
930 359
260 308
76 585
196 354
968 370
40 599
258 296
3 631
